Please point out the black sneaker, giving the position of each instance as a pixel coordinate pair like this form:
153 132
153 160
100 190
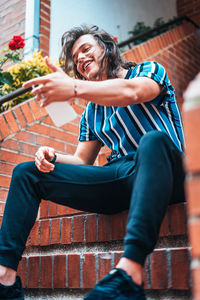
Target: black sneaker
12 292
116 285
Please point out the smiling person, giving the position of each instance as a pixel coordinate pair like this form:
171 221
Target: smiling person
133 110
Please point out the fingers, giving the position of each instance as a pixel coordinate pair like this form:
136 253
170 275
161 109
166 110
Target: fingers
51 66
36 81
42 159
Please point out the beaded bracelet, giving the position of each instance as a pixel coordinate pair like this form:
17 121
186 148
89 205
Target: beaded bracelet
75 90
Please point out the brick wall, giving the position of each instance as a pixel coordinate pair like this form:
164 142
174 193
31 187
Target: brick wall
190 8
27 126
44 26
192 132
12 20
177 50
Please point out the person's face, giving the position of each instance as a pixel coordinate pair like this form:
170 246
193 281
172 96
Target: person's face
87 54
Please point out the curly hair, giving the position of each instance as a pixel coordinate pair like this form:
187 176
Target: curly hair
111 57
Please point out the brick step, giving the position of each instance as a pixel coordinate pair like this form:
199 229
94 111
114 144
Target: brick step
92 228
165 269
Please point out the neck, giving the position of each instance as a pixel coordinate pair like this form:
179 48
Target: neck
122 73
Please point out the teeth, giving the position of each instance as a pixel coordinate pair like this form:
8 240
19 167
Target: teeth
85 66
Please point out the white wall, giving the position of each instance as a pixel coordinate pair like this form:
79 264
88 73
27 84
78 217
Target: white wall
115 16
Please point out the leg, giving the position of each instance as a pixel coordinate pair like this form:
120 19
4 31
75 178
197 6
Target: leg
159 181
67 184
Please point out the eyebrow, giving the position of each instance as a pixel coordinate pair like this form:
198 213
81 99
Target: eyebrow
73 56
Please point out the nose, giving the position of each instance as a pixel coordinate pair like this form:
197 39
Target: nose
81 56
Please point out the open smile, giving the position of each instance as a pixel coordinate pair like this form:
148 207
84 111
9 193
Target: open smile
85 65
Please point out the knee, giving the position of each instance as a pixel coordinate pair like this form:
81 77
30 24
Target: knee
23 169
154 141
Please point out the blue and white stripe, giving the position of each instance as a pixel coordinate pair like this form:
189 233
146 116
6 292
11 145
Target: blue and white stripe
121 128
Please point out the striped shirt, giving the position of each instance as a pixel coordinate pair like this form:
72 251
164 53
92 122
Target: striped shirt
121 128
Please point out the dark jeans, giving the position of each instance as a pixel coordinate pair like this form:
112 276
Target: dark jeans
145 183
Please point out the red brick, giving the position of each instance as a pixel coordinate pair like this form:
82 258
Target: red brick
41 129
71 211
2 207
117 256
196 283
194 234
26 136
193 194
77 228
34 234
44 232
62 210
74 271
11 122
27 112
104 264
28 149
44 209
55 231
192 125
49 142
5 181
117 231
4 127
89 270
78 109
3 194
59 275
146 275
90 228
66 230
44 22
164 229
45 32
21 271
177 219
159 270
71 149
61 135
45 8
46 272
46 18
18 113
33 272
103 228
35 109
180 269
6 168
14 157
10 145
71 128
53 209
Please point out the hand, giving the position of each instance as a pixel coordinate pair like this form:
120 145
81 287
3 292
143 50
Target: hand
42 159
56 86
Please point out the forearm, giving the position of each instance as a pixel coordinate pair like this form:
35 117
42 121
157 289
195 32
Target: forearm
112 92
68 159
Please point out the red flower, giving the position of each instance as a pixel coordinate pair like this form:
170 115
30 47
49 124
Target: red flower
17 42
115 38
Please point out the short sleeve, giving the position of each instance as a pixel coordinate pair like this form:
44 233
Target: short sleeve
85 133
158 73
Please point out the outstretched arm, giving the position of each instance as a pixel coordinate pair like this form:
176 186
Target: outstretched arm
58 86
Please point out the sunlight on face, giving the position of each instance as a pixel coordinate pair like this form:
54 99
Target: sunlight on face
87 54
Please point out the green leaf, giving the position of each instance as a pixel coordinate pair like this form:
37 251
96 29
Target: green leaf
6 77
